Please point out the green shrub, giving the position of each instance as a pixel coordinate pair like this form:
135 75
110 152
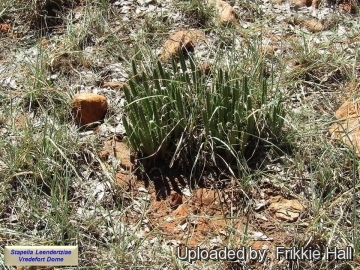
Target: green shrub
222 118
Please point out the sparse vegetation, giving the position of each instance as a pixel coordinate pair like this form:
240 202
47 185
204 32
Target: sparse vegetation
162 115
198 13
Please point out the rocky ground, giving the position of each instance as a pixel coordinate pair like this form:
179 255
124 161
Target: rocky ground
66 185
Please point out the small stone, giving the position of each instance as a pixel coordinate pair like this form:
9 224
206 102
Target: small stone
19 120
205 196
5 27
313 26
347 110
227 13
181 211
120 151
175 199
347 130
114 85
123 180
275 38
348 7
288 210
183 39
258 245
88 108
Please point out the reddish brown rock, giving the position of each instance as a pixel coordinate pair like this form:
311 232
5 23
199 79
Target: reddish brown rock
347 129
226 12
183 39
205 196
275 38
175 199
348 7
348 132
119 150
5 27
45 43
20 120
313 26
259 245
181 211
123 180
348 110
88 108
288 210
